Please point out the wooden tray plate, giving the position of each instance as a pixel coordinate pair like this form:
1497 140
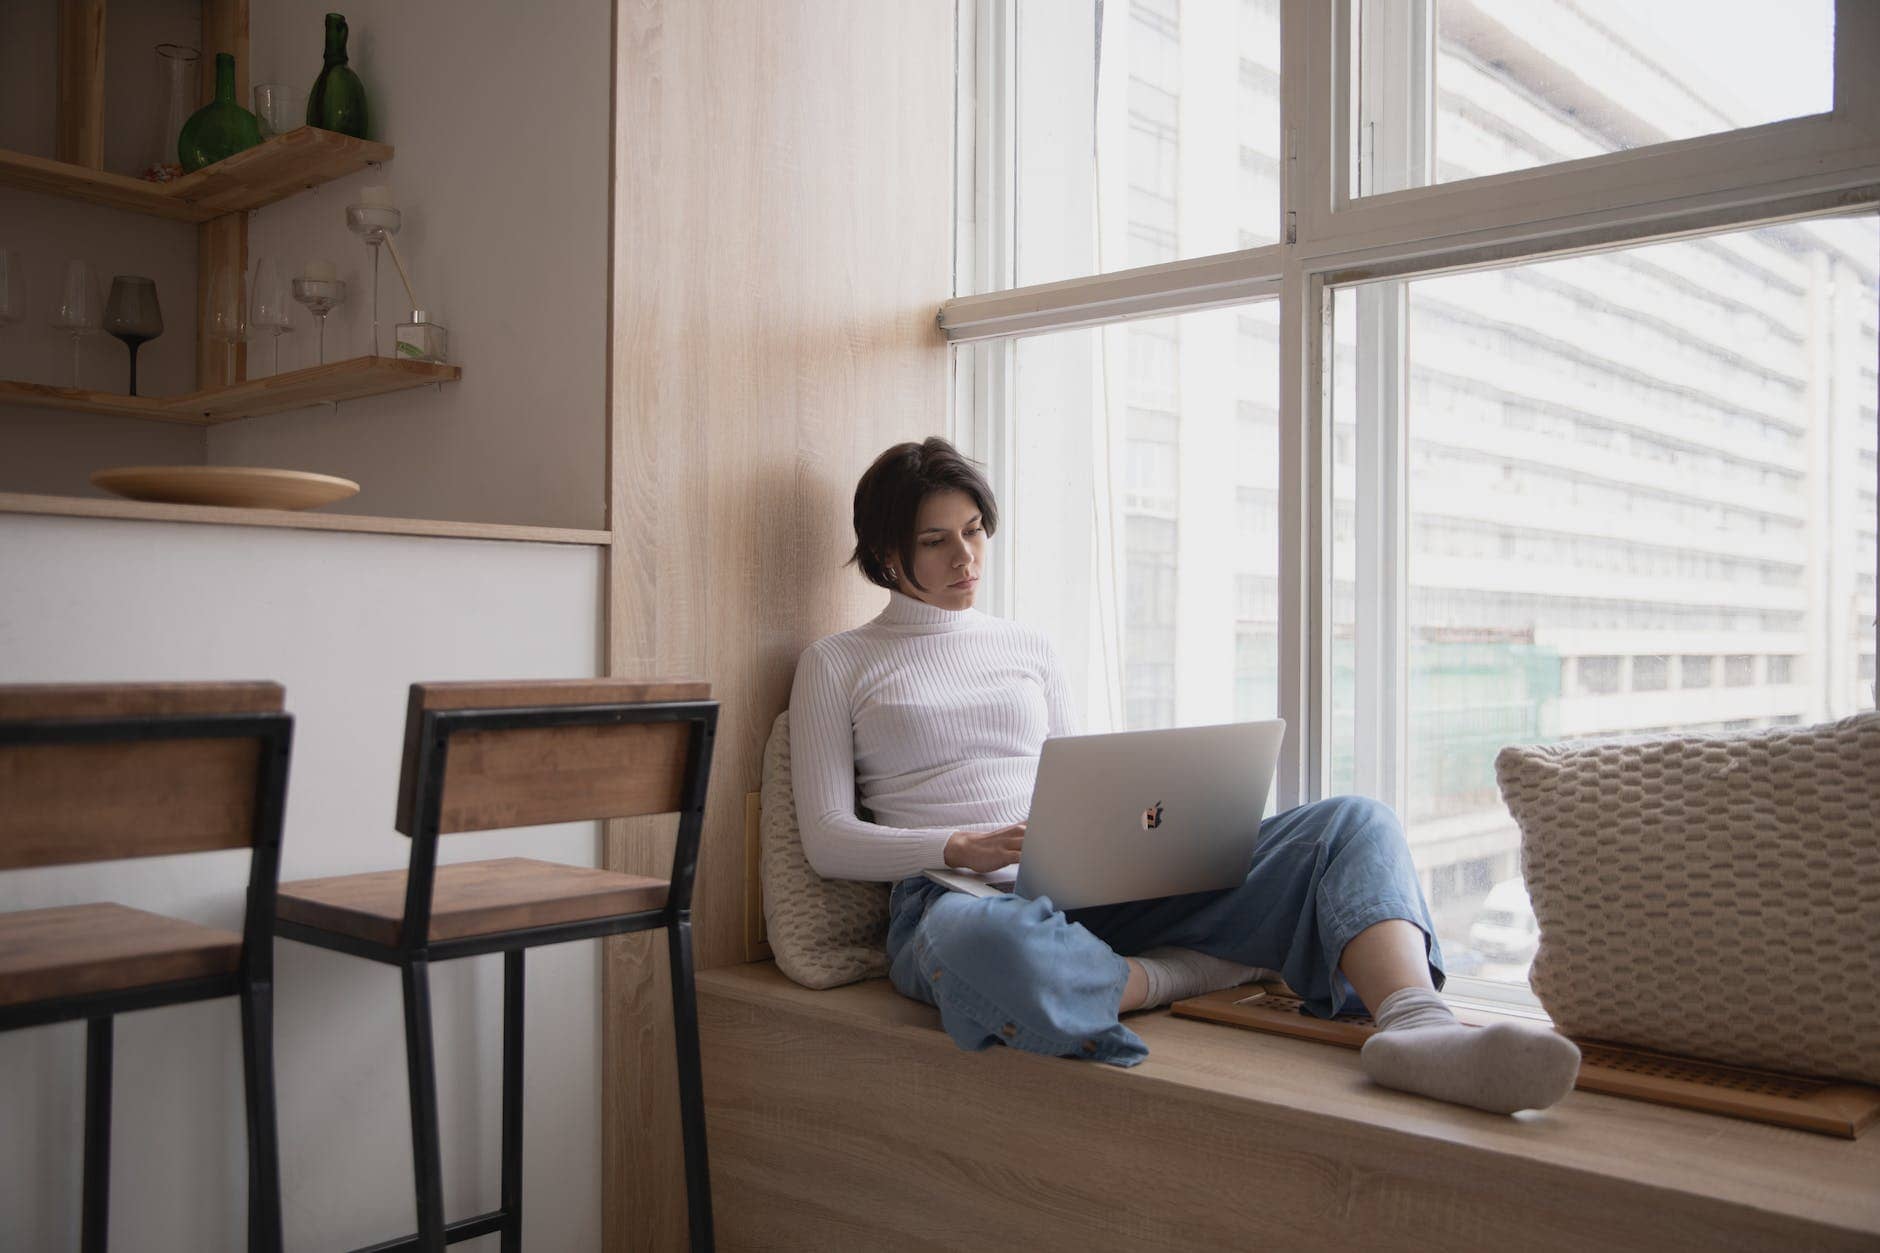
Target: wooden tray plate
240 487
1829 1106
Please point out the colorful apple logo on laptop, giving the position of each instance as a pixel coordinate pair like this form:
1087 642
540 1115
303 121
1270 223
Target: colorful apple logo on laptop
1152 818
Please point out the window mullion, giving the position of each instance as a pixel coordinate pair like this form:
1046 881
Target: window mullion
1381 508
1307 136
996 148
1304 534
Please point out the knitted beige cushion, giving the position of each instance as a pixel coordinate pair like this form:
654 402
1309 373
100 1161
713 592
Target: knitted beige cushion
1711 895
823 932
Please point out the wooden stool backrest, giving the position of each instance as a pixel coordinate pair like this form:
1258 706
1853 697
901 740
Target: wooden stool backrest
528 776
77 800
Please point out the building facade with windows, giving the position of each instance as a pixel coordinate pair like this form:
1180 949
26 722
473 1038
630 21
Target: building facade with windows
1640 484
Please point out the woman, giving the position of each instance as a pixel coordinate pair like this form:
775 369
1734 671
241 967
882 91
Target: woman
938 713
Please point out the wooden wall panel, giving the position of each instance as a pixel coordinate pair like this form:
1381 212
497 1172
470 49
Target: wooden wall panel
222 243
81 82
782 227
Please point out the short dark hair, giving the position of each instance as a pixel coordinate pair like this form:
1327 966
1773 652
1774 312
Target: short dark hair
888 497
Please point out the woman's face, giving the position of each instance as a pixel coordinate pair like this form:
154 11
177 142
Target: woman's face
949 551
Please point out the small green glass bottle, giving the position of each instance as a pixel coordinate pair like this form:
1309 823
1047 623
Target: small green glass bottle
338 99
220 128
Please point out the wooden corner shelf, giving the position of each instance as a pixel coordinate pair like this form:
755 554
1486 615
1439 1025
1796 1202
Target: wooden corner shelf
352 379
274 170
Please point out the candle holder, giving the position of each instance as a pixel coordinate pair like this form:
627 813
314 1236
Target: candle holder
373 222
321 296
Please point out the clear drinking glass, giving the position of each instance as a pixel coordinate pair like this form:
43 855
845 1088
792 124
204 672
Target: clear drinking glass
225 315
78 310
12 287
278 108
268 308
133 316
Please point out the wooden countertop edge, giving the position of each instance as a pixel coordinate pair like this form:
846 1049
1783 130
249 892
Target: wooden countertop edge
140 511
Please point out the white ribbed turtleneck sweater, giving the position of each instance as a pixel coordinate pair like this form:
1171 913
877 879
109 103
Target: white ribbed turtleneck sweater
938 715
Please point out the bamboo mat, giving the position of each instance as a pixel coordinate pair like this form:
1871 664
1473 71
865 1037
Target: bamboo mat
1829 1106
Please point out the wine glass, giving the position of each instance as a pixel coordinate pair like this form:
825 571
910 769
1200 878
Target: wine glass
225 316
133 316
12 287
268 312
320 295
77 311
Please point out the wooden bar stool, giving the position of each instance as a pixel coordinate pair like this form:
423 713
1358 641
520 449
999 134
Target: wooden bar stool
108 772
483 756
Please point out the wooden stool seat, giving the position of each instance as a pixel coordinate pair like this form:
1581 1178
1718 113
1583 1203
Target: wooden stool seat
488 756
469 899
112 771
73 950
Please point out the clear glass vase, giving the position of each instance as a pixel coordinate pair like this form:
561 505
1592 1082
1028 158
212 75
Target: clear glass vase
176 70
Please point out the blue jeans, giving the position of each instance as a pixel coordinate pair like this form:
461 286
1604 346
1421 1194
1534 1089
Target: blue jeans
1021 972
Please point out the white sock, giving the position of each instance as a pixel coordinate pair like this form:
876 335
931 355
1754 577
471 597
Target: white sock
1174 973
1501 1068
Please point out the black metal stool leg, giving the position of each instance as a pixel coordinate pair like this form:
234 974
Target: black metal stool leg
512 1101
94 1232
698 1198
426 1150
264 1160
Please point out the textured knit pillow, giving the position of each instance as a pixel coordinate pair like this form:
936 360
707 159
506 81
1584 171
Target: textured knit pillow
823 932
1711 895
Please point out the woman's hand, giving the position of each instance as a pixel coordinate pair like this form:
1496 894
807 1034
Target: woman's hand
985 851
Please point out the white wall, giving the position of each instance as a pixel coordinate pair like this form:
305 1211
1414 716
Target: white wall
345 622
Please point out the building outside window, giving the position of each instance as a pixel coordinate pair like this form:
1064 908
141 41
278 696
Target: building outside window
1638 485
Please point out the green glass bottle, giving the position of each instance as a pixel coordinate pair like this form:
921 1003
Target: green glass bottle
338 99
220 128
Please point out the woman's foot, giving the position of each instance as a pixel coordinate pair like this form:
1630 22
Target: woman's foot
1501 1068
1170 974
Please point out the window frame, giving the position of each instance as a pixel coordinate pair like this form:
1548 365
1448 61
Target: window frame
1796 168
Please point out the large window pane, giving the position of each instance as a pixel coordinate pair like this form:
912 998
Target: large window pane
1502 85
1162 145
1640 498
1141 514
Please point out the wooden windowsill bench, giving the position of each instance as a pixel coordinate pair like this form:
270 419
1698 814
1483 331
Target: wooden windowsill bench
846 1120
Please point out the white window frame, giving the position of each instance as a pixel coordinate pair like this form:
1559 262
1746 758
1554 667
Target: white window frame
1797 168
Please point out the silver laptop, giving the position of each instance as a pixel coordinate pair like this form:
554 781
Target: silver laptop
1140 814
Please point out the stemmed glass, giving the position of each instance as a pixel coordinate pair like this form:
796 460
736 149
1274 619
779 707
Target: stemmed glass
12 287
373 221
269 310
225 317
77 311
133 316
320 295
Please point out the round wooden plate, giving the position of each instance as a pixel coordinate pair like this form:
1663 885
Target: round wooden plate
241 487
